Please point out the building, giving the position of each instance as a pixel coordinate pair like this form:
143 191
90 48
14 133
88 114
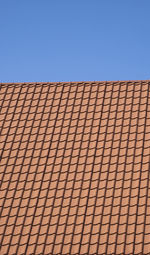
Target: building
75 168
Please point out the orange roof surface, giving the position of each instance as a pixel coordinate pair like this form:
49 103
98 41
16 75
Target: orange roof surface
75 168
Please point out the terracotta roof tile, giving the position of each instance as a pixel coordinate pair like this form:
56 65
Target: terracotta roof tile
75 168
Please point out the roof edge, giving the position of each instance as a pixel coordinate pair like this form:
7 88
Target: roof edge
62 82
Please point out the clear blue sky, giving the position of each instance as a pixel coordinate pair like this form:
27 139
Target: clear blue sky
74 40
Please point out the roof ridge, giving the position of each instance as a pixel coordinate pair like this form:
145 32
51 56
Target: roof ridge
64 82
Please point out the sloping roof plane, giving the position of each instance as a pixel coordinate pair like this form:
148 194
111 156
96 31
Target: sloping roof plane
75 168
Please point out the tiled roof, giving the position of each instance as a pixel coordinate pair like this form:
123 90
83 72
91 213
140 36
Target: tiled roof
75 168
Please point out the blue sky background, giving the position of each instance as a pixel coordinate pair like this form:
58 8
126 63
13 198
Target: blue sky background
74 40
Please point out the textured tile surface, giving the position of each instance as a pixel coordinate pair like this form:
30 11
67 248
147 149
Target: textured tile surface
75 168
